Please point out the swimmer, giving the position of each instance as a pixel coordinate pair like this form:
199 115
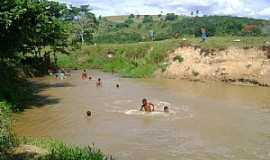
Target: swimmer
99 83
89 113
84 75
90 78
147 106
166 109
117 85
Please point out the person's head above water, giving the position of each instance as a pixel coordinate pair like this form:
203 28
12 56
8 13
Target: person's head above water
144 101
89 113
166 109
117 85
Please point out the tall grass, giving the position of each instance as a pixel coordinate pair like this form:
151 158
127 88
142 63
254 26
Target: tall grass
129 60
6 140
57 150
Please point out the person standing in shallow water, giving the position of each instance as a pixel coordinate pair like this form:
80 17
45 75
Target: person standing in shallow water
84 75
203 35
146 106
99 83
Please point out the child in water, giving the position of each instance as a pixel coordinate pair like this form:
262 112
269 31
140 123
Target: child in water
89 113
166 109
99 83
147 106
84 75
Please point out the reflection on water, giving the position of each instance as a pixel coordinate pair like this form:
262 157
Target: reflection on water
206 120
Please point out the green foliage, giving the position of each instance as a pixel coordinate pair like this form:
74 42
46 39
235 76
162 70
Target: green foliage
118 37
215 25
131 16
84 23
30 25
129 60
5 136
60 151
173 25
171 17
129 21
147 19
14 89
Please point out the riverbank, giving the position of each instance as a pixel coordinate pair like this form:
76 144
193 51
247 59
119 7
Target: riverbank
233 65
239 60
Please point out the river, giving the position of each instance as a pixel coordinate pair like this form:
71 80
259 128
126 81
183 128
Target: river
207 121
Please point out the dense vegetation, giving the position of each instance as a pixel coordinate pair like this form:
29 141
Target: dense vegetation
173 26
130 60
32 31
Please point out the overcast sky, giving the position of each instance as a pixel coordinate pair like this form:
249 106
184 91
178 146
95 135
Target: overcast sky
246 8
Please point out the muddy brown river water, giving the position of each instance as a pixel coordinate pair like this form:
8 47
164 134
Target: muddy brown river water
208 121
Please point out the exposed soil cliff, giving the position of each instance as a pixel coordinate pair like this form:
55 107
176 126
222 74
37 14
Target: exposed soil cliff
247 66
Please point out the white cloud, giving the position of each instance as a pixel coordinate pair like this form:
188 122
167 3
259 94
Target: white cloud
247 8
265 12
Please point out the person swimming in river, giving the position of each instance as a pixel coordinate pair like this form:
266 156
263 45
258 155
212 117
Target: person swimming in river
84 75
99 83
166 109
117 85
147 106
88 113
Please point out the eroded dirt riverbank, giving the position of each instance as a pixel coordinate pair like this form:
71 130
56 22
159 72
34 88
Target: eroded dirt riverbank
234 65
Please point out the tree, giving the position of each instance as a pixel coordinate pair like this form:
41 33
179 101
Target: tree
147 19
85 24
191 13
129 21
29 26
171 17
197 13
131 16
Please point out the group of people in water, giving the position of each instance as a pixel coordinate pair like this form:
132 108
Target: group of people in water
150 107
146 106
84 76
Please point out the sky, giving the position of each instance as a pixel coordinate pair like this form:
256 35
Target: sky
241 8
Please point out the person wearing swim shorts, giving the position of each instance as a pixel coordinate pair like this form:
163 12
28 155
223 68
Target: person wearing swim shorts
84 75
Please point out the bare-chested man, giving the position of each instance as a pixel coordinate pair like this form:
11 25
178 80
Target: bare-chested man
147 106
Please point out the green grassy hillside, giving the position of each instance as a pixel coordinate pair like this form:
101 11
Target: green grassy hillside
133 28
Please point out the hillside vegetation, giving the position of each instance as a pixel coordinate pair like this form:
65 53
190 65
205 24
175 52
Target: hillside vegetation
142 59
137 28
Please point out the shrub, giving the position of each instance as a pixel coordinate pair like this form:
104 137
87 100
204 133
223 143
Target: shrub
195 73
178 58
5 135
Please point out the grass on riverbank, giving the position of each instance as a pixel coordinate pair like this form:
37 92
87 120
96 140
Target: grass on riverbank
143 59
6 138
129 60
57 150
